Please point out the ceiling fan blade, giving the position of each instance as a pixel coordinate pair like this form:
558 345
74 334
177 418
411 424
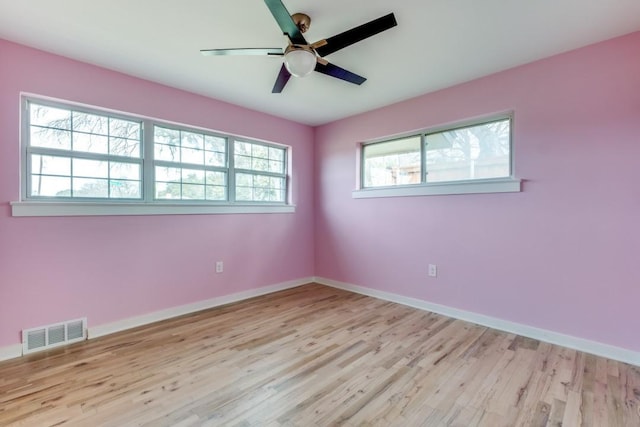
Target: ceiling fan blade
276 51
355 35
281 80
283 18
339 73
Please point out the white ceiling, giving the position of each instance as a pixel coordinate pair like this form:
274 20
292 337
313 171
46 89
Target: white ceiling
437 43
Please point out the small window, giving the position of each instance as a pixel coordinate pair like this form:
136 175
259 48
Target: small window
477 152
81 155
260 172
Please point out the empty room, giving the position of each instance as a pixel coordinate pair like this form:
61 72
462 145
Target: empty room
296 213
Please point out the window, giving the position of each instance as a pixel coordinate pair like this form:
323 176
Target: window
476 156
84 155
259 172
73 154
189 165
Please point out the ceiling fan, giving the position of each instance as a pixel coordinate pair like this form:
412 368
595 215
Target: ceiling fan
300 57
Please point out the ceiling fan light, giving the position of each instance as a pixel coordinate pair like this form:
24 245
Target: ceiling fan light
300 62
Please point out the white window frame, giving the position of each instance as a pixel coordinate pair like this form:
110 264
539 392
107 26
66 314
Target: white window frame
475 186
147 204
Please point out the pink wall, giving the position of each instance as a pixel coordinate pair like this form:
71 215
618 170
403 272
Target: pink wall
111 268
562 255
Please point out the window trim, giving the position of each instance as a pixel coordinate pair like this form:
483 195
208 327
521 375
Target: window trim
473 186
46 208
480 186
147 204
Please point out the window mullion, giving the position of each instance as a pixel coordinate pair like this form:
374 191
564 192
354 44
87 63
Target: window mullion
263 173
423 158
231 172
148 165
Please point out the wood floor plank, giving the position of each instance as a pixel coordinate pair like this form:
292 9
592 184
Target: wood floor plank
317 356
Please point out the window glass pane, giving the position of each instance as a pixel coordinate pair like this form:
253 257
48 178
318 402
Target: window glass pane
244 194
475 152
267 195
216 193
90 168
50 138
242 162
216 178
168 174
392 163
260 151
190 155
90 123
213 143
86 187
244 180
124 147
41 115
276 154
50 186
167 152
242 148
276 167
124 128
277 183
50 165
193 191
124 171
215 159
193 176
259 164
90 143
124 189
168 190
192 140
166 136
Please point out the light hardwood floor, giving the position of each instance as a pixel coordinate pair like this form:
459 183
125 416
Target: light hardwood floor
311 356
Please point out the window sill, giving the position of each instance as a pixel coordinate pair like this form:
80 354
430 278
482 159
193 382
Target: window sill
34 208
463 187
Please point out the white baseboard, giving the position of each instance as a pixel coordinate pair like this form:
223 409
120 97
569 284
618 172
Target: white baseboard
10 352
15 350
581 344
133 322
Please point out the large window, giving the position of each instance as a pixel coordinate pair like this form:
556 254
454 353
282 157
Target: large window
81 154
478 152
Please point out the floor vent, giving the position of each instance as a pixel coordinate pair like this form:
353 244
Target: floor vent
50 336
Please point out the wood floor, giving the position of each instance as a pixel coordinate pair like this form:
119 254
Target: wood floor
317 356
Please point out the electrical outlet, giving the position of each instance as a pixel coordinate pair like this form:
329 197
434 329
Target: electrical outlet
433 270
219 267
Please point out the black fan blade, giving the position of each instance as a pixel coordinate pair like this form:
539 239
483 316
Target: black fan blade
357 34
281 81
283 18
339 73
241 51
